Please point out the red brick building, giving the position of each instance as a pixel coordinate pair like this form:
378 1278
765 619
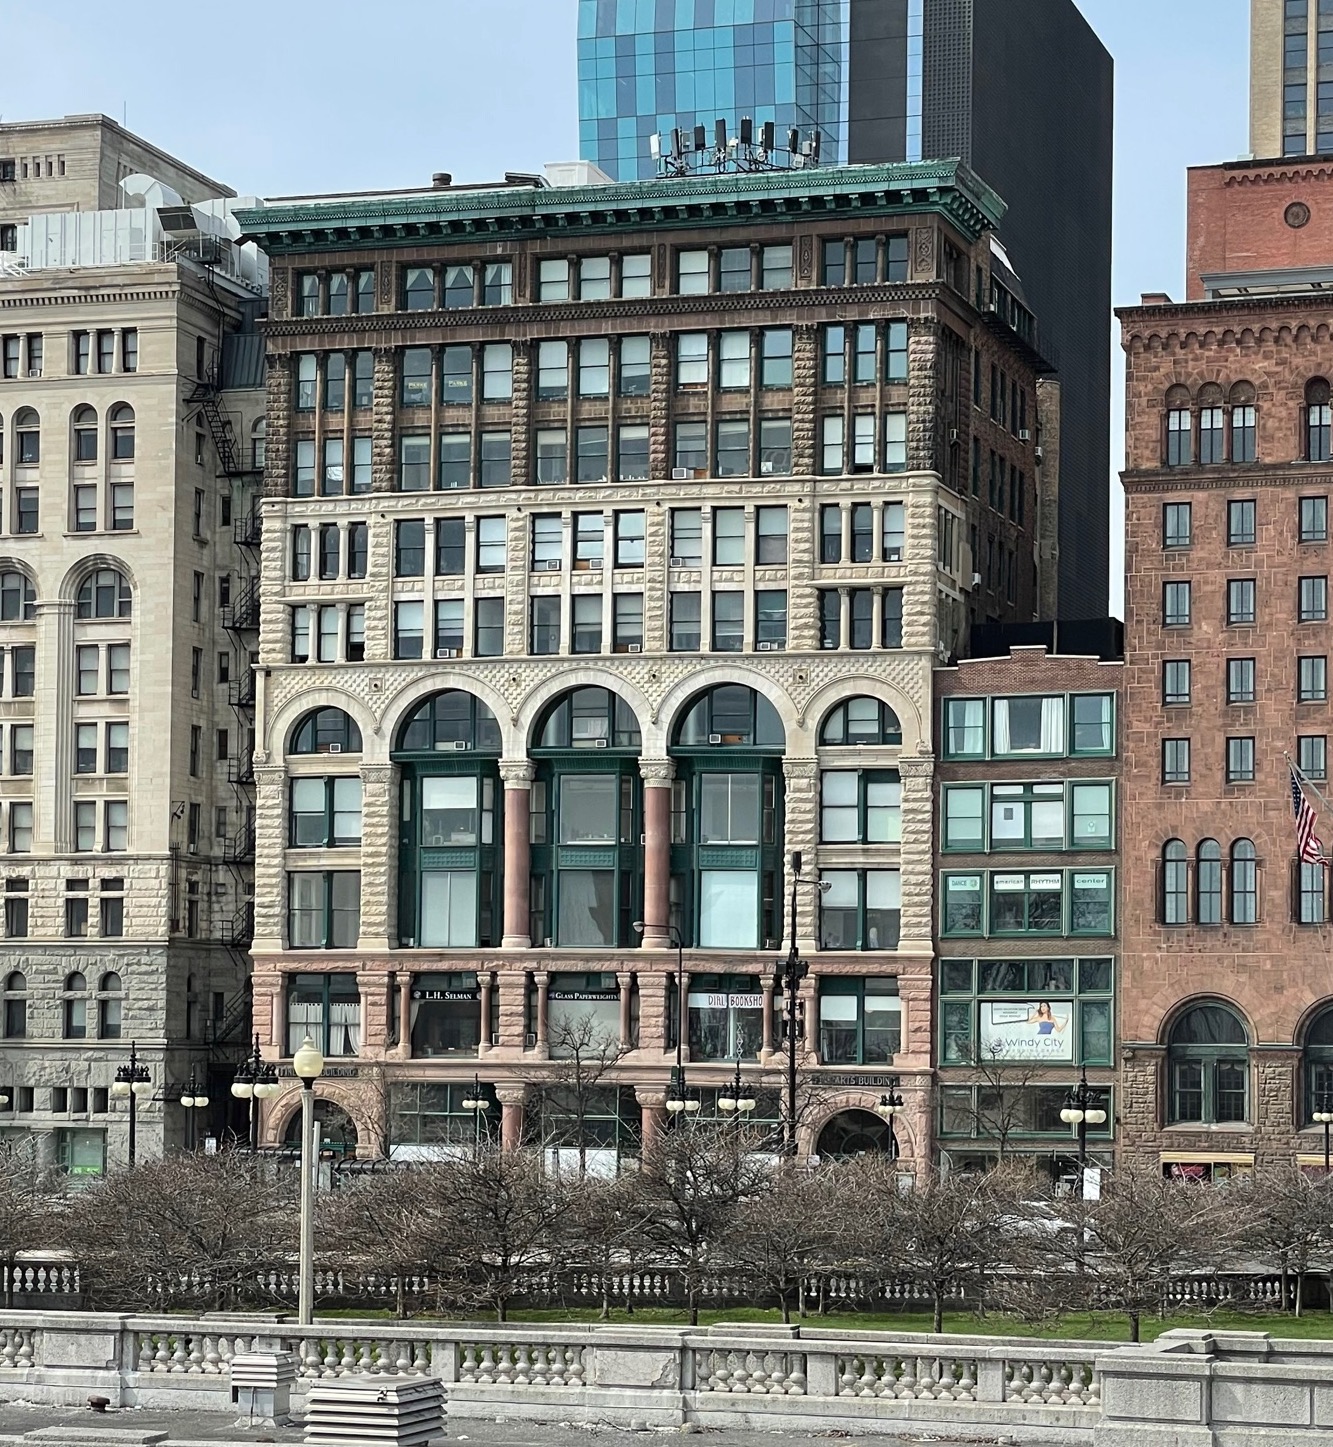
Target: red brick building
1227 984
1028 743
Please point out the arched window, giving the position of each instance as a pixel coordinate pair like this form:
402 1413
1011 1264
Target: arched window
1209 1067
1244 423
586 821
727 823
450 720
16 1005
84 422
1212 425
27 437
731 714
110 1006
18 602
1179 428
1175 883
861 721
1244 883
588 718
76 1006
122 433
1318 421
1319 1064
258 441
1208 878
104 594
326 731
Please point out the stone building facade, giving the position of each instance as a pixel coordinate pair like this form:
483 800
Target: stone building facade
611 537
1291 51
120 797
1225 987
1027 859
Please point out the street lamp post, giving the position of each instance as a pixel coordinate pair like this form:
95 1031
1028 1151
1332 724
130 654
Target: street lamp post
308 1064
193 1099
1324 1116
255 1080
477 1103
132 1083
787 980
889 1106
1081 1113
736 1100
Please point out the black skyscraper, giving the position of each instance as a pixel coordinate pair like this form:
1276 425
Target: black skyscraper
1022 91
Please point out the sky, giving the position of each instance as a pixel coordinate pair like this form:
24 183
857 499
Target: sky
276 99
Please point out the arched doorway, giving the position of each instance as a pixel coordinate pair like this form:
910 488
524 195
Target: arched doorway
337 1133
853 1133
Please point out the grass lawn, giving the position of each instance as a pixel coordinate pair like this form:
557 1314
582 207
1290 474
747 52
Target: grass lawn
1084 1326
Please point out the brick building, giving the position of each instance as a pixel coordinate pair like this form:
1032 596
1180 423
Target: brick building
1028 740
612 535
1226 980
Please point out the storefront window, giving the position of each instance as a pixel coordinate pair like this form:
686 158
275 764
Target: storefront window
328 1009
726 1017
446 1014
582 1016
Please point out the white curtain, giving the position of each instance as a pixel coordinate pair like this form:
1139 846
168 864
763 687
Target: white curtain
304 1017
1000 743
345 1027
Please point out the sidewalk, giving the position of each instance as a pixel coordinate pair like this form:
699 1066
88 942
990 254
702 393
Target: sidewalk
129 1427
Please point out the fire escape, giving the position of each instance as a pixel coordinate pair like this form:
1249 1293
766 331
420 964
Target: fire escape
240 618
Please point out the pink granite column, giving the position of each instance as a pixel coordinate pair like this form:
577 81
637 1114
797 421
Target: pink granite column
657 775
517 777
511 1099
486 983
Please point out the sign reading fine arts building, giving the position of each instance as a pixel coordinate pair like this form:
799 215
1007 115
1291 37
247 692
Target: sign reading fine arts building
1027 1030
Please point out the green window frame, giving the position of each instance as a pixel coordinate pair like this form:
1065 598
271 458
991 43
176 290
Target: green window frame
1005 817
445 1019
323 909
325 812
1000 903
860 1020
860 806
1086 985
1019 726
431 1113
327 1007
860 909
980 1112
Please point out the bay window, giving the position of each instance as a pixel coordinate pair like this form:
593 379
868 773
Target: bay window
725 1017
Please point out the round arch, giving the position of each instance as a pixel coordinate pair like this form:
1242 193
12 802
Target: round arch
800 743
535 701
1181 1008
284 1114
852 1132
68 591
860 1102
915 730
413 694
284 719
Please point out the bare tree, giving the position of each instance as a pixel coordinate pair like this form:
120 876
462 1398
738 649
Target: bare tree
1144 1229
691 1182
30 1205
494 1218
1002 1098
604 1230
583 1057
192 1223
788 1229
1284 1216
382 1223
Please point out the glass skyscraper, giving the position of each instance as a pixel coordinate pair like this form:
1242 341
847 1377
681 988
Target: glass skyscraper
649 65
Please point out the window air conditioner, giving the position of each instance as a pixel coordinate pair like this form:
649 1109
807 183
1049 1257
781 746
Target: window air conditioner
335 748
1040 452
953 437
680 562
34 371
634 648
460 743
447 652
680 474
549 565
1024 435
595 564
976 580
714 738
769 645
599 743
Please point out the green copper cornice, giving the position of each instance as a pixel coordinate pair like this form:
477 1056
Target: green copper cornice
460 215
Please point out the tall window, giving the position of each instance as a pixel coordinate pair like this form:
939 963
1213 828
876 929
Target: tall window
328 1009
1208 883
1318 422
1244 883
1179 442
1175 883
1208 1067
1212 429
1244 423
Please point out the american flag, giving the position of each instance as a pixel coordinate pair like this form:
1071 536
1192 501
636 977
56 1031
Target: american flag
1307 846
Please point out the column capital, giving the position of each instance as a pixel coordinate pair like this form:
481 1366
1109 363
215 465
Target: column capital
517 773
917 769
270 776
511 1095
377 773
657 773
650 1097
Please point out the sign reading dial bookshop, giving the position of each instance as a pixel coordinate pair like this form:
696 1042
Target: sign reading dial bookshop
1021 1030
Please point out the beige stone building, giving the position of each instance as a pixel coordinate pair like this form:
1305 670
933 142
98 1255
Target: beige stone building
123 488
611 535
1291 78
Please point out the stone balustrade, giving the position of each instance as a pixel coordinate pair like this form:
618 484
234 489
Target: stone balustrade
1189 1389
